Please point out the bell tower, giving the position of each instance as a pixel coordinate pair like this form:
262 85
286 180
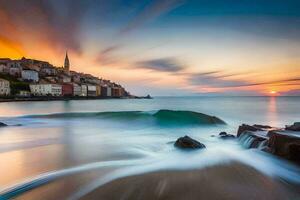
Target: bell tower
67 63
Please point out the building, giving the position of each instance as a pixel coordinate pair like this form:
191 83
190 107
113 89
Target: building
76 90
98 90
48 71
4 87
117 92
4 69
67 89
15 71
24 93
30 75
84 90
109 91
63 78
76 78
92 90
67 64
46 89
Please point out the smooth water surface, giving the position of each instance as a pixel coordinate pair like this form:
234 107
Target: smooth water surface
85 138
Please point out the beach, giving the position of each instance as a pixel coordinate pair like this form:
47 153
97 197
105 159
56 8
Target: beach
124 149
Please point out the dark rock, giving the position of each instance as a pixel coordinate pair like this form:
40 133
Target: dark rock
227 136
222 133
2 124
294 152
245 127
188 143
294 127
284 144
257 141
262 126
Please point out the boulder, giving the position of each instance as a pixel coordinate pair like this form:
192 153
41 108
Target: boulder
294 127
285 144
224 135
246 127
228 136
188 143
262 126
2 124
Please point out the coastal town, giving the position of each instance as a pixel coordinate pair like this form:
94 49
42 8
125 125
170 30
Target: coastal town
34 79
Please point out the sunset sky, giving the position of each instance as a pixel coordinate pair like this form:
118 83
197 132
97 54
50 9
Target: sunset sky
164 47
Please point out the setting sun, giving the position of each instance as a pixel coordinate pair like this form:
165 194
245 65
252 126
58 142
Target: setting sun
273 93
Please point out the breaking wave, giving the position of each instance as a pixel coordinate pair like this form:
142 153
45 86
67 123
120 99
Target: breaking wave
163 117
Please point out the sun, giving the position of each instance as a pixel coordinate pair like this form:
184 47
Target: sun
273 93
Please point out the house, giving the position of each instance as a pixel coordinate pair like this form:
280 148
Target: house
46 89
4 87
76 78
24 93
67 89
63 78
84 90
98 90
109 93
104 91
4 69
48 71
15 71
30 75
92 90
76 90
117 92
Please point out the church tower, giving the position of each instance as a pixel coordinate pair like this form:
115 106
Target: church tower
67 63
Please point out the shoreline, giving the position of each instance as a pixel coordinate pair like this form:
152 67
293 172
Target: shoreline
210 182
43 98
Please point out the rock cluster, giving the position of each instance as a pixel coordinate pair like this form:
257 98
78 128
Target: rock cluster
280 142
294 127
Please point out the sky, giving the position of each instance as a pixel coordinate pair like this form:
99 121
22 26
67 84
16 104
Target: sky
163 47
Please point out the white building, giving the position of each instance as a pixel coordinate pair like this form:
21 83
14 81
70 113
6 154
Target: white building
109 91
4 87
30 75
77 90
84 90
46 89
23 93
92 90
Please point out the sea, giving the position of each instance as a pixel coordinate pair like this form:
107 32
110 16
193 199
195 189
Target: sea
66 149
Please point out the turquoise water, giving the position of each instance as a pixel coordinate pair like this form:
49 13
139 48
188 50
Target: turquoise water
48 141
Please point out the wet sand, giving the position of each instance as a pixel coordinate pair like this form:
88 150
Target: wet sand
233 181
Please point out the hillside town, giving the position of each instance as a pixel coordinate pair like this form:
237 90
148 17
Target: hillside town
29 78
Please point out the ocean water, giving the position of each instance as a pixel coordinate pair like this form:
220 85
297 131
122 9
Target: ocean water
65 149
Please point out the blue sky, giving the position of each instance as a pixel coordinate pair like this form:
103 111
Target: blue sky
164 47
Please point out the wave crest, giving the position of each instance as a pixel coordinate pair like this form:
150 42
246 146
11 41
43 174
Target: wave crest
162 117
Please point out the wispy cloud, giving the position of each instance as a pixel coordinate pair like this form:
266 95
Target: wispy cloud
107 55
58 23
150 12
162 65
212 79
